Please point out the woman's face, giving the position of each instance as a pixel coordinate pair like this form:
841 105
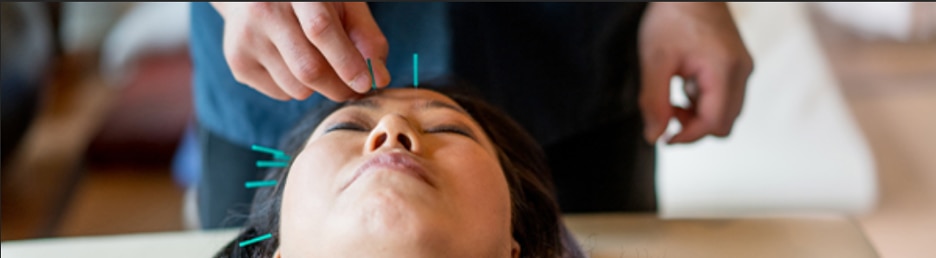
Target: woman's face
404 173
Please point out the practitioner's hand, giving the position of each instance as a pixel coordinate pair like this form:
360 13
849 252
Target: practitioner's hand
291 50
697 41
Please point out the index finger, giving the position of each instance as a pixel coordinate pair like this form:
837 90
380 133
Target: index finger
321 25
656 69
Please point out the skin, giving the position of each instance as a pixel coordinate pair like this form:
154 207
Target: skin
700 42
462 210
290 50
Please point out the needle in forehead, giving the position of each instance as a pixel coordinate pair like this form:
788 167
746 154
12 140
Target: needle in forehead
371 70
415 70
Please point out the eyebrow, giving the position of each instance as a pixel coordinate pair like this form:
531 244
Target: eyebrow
373 104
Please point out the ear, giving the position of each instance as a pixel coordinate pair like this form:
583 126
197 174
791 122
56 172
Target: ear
277 253
514 248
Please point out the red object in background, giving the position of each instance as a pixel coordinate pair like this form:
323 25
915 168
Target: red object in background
149 116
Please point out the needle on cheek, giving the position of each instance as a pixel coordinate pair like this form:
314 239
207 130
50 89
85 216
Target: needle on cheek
280 159
255 184
277 154
255 240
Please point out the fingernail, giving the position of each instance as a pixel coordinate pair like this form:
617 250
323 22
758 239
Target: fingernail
384 73
361 83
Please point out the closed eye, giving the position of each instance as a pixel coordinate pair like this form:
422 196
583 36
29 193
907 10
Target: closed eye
451 129
347 126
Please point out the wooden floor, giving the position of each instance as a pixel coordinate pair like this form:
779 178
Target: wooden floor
890 87
113 200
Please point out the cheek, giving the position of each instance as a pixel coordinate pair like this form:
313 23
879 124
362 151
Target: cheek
478 186
310 192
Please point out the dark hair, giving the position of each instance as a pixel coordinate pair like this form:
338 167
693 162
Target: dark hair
535 217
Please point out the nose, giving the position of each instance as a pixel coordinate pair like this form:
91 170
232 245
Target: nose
393 131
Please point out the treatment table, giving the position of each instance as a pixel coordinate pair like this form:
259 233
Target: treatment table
600 235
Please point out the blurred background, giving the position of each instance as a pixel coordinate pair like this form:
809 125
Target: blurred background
96 106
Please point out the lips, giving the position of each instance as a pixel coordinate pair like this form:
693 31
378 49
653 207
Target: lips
394 161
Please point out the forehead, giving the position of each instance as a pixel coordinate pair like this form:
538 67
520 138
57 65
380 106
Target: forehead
416 99
403 96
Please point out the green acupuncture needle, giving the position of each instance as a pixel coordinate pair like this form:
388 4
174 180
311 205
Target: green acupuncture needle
277 154
255 240
270 164
371 69
415 70
255 184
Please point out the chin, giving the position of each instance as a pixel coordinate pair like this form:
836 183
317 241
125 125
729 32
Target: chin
394 230
389 212
395 212
388 201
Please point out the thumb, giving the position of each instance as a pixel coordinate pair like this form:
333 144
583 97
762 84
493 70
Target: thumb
366 35
655 106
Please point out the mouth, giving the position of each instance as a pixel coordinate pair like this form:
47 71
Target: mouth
395 162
